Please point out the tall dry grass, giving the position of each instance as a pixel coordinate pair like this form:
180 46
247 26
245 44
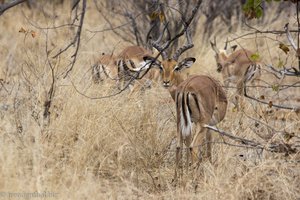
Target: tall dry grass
121 147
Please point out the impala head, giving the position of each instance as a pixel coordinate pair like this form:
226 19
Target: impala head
171 68
221 54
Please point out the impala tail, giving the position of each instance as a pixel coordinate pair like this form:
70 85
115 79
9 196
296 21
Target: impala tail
184 114
252 72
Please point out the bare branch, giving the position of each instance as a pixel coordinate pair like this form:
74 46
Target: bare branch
157 46
50 94
289 37
286 71
9 5
75 41
270 103
189 44
280 147
74 4
257 31
186 25
136 31
78 37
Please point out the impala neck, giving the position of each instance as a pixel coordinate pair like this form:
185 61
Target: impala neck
178 79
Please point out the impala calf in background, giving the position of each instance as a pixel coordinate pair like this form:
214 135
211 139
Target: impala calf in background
237 68
199 99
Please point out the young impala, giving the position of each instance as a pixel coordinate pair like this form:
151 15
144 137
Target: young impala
199 99
238 67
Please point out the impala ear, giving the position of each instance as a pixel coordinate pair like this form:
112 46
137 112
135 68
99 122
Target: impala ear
233 47
185 63
214 47
150 60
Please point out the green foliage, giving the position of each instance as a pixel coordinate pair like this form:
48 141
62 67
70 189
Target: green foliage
255 57
280 64
275 88
253 8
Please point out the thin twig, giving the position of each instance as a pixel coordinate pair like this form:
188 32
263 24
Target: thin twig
75 41
6 6
298 42
292 71
270 103
273 147
289 36
50 94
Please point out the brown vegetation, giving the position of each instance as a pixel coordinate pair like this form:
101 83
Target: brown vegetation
124 148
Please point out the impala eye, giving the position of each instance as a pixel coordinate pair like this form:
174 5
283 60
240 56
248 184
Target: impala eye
219 67
160 68
176 69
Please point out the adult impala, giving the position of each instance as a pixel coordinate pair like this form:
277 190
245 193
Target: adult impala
199 99
132 68
238 67
105 68
128 67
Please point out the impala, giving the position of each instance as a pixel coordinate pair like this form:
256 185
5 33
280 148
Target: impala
105 68
238 67
133 69
199 99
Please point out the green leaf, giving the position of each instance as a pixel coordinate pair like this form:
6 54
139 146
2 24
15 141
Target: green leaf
275 88
257 3
255 57
280 64
259 12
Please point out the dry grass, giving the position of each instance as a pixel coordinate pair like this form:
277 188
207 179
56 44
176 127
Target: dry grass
121 147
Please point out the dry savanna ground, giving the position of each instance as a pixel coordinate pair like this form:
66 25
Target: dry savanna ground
121 147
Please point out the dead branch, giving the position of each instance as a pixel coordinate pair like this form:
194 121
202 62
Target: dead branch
74 4
136 31
111 27
50 93
281 147
75 41
186 25
271 104
292 71
289 37
257 31
8 5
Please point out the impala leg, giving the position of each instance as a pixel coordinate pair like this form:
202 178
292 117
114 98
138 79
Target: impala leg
178 155
188 151
208 144
136 88
202 139
196 145
241 89
226 83
120 75
177 163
